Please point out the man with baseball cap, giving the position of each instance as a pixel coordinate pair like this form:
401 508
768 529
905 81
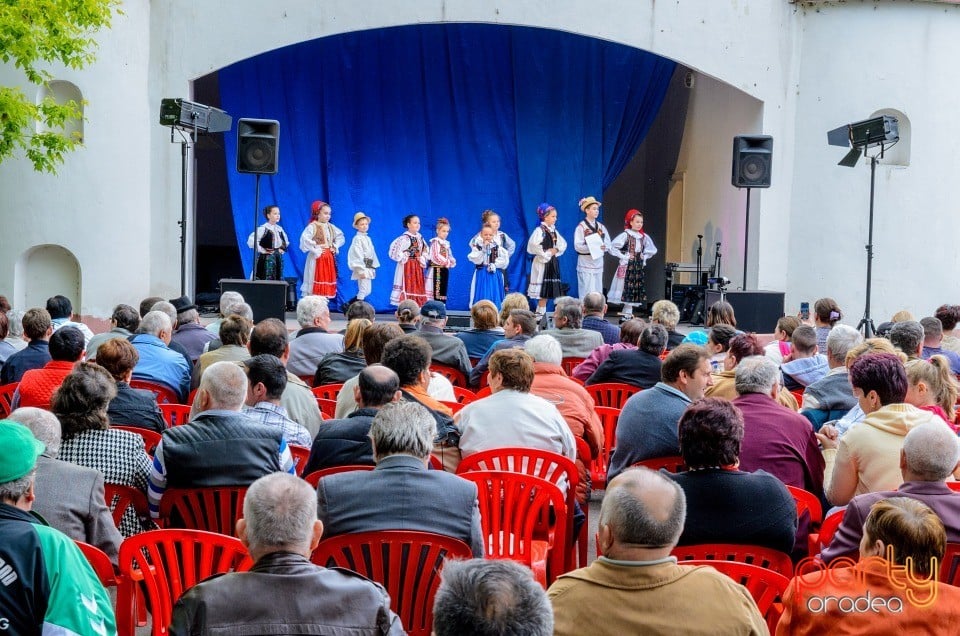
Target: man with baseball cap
46 584
447 349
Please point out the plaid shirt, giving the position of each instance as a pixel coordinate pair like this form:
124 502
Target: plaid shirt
275 415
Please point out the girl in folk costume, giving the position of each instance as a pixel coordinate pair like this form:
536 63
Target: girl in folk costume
410 251
546 245
441 261
507 244
633 247
321 241
590 269
491 260
361 258
271 242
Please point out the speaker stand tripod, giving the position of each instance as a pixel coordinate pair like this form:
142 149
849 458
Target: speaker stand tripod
866 323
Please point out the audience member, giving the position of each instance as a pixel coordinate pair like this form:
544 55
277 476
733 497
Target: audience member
871 345
338 367
949 316
170 312
241 309
360 309
146 305
594 310
374 339
907 336
482 598
220 446
284 591
831 397
37 328
725 504
123 323
485 330
520 326
513 300
7 348
865 459
929 456
158 363
81 406
718 345
61 315
447 350
780 347
189 333
69 497
826 314
408 316
234 337
130 407
313 341
932 386
647 427
575 341
665 313
639 367
719 313
15 335
805 364
636 587
724 383
44 572
227 300
345 442
37 385
630 332
266 380
401 493
933 341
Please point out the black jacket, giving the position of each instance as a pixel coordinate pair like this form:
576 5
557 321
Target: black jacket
343 442
629 366
135 407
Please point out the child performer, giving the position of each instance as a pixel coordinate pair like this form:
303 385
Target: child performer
633 248
321 241
491 260
361 258
441 261
410 252
271 242
507 244
590 269
546 245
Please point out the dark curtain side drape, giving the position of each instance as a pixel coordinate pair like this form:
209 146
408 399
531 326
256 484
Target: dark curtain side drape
441 121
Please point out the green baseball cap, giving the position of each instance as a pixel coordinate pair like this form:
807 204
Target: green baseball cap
19 450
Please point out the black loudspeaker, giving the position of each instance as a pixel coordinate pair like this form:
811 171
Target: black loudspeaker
752 161
756 311
267 298
258 146
459 319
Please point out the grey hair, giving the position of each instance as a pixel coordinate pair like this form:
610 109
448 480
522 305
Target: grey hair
311 307
43 424
187 316
280 509
932 328
226 384
572 312
229 299
155 322
14 490
665 313
402 428
756 374
630 518
593 303
841 339
544 348
15 318
931 451
167 308
241 309
479 598
907 336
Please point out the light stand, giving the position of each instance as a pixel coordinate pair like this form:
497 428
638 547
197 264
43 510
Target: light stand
866 323
187 143
256 210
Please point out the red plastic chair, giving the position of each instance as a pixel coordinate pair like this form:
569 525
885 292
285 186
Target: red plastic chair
300 456
175 414
612 394
762 557
954 485
120 498
328 408
165 394
6 397
456 376
464 396
817 541
807 502
484 383
950 566
406 563
765 586
568 364
100 563
512 506
150 438
486 391
799 396
307 379
454 407
599 466
673 463
314 478
327 391
163 564
584 454
213 509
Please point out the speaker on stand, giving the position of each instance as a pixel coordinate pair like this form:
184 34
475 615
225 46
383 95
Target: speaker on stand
258 152
752 168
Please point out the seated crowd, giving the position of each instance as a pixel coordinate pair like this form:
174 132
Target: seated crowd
865 426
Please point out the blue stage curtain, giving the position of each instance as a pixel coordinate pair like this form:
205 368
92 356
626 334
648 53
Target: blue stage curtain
441 121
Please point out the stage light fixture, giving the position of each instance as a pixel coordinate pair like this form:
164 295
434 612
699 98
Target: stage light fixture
878 131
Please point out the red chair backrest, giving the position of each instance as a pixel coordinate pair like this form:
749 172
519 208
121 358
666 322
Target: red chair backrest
327 391
6 397
807 502
673 463
150 438
453 406
954 485
307 379
819 540
568 364
598 469
456 376
464 396
799 397
213 509
175 414
163 564
483 392
765 586
300 456
165 394
119 498
406 563
327 407
314 478
613 394
950 566
530 461
752 554
100 563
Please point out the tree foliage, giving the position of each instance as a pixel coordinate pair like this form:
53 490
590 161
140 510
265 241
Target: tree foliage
36 35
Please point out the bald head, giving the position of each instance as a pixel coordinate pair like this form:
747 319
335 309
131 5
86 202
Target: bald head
224 386
593 304
930 452
642 510
377 385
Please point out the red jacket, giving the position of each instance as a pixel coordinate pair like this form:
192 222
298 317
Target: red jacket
38 385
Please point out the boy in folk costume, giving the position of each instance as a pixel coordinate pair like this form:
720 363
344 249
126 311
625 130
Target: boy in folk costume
361 257
271 242
507 244
321 241
491 260
633 247
409 250
441 261
590 269
546 245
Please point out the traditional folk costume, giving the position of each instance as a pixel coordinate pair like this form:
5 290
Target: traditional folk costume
589 269
271 242
491 261
633 249
410 253
545 274
507 245
321 242
438 272
362 259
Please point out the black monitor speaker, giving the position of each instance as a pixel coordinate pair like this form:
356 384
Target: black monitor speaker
752 161
267 298
756 311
